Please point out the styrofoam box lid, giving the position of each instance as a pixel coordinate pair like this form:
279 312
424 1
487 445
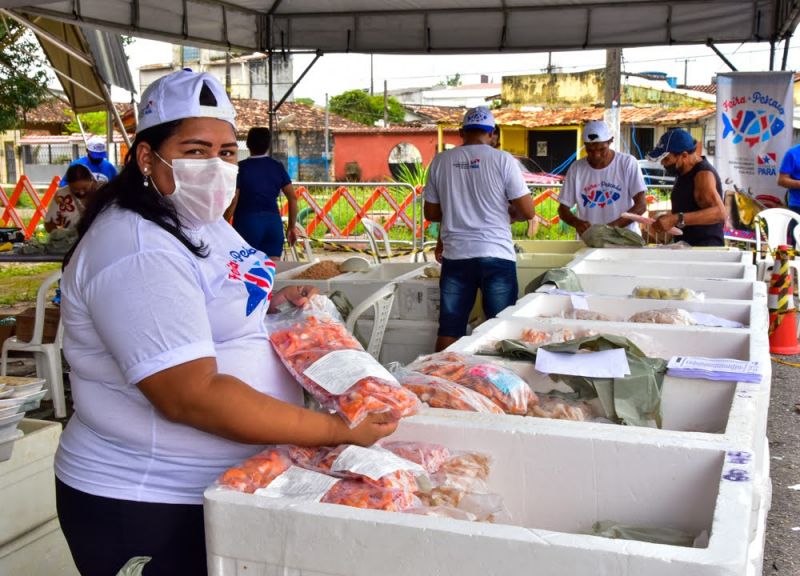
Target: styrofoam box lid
10 421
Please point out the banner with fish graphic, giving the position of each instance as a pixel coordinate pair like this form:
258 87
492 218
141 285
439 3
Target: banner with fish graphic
754 131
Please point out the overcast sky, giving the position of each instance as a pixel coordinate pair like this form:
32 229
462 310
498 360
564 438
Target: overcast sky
335 73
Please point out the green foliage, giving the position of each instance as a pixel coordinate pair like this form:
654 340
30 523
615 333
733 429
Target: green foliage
360 107
454 80
23 80
93 123
307 101
416 176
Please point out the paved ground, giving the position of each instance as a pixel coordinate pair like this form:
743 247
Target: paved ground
782 550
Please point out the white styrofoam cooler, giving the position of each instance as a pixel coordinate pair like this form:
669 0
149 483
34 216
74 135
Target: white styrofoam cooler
721 255
720 289
539 305
679 269
42 551
27 489
555 486
358 286
404 340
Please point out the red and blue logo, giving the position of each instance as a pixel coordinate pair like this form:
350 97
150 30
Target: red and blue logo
258 278
768 159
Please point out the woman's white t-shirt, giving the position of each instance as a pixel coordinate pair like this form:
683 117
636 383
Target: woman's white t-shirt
135 301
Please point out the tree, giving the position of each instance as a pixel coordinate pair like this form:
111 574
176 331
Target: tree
308 101
23 82
93 123
359 106
454 80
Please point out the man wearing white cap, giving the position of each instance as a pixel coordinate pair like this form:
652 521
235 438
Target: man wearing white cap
602 185
95 160
473 190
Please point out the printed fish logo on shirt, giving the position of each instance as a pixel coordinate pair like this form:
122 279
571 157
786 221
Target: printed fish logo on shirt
257 280
597 196
751 126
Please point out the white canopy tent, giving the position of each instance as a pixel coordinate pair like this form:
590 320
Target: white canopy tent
430 26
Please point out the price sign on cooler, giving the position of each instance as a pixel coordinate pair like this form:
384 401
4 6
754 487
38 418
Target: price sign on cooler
299 485
374 463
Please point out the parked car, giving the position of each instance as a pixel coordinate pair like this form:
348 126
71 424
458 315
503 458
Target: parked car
654 174
533 173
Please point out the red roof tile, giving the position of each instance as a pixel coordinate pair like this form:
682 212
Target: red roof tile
291 116
575 116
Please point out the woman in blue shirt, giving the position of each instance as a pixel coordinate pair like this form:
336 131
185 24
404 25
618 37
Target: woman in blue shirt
261 180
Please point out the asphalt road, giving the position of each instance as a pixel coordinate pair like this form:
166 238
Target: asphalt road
782 549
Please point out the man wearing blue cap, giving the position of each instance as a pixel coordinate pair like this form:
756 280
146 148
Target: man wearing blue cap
95 160
697 205
474 190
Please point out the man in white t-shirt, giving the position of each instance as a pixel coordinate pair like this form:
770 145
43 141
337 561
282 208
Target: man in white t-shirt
603 185
474 190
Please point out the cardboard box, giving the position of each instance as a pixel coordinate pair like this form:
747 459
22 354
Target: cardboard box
555 485
27 318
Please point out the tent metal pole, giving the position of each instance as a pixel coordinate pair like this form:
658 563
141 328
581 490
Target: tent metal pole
771 55
76 83
117 117
272 110
722 57
785 52
296 82
45 35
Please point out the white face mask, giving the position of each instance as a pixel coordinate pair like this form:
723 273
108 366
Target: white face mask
204 188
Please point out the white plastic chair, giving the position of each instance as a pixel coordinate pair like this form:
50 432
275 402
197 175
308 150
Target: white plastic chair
381 300
47 355
374 233
301 237
777 222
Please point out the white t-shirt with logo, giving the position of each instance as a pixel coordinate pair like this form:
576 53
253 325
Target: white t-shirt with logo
474 184
135 301
65 209
602 195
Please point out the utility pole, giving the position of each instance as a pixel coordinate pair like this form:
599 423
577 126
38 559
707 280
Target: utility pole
228 74
549 62
612 92
385 104
685 72
327 146
371 77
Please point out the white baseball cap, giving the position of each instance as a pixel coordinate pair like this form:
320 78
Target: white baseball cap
96 147
177 96
478 118
596 131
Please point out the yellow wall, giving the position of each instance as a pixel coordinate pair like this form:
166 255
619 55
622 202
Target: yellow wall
514 139
582 89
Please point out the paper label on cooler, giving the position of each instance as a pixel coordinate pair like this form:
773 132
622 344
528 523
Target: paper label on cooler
704 319
603 364
374 463
299 485
338 371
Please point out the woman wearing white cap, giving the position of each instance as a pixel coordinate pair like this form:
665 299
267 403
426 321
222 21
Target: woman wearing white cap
173 378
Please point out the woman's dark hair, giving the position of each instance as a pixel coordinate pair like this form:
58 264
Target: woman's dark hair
77 172
128 191
258 140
